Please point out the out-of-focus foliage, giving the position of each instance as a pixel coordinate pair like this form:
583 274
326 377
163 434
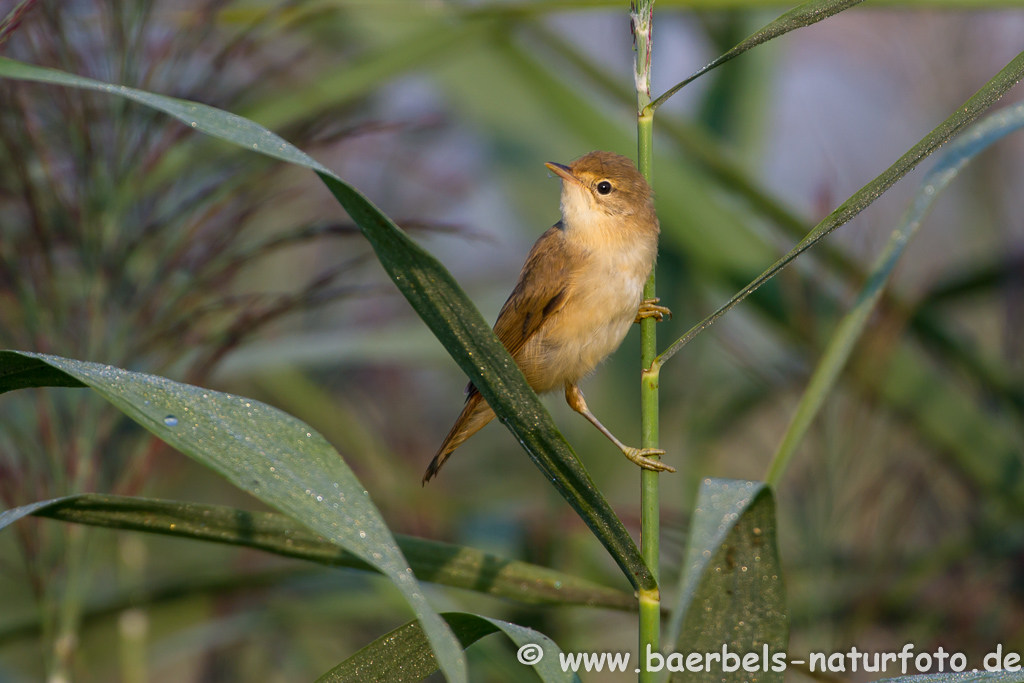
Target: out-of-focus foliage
127 240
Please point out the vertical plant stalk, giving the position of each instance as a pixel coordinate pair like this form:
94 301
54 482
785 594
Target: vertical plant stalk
133 622
641 14
69 607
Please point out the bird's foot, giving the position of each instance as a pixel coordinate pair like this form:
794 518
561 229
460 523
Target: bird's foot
639 456
649 308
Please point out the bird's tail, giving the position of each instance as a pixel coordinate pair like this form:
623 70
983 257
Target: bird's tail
475 415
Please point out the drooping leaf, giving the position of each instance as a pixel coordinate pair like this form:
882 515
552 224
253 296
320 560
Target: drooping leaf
864 197
731 590
433 561
436 297
850 328
403 655
261 450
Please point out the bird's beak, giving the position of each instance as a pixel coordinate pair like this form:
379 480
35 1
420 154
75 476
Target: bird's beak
563 171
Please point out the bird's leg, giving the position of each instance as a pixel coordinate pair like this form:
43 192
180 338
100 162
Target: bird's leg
649 308
574 397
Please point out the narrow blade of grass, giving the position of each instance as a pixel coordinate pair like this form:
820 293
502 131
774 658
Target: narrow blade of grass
436 297
731 589
866 196
259 449
850 328
804 15
432 561
403 656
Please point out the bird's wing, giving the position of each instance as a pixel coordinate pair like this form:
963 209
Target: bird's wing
539 294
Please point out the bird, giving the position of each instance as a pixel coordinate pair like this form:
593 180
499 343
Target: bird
578 293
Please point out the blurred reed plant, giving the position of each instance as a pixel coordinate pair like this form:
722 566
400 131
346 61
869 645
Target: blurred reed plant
125 239
133 243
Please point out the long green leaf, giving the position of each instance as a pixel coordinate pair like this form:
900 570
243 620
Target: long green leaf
864 197
731 590
261 450
30 372
436 297
850 328
403 656
804 15
433 561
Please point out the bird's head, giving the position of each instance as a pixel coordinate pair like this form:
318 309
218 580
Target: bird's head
603 185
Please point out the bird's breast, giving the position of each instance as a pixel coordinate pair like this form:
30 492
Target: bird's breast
604 294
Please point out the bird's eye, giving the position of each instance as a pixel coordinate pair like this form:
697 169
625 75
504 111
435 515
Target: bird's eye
604 187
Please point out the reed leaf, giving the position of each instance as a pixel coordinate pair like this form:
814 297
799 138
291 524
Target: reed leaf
270 454
804 15
403 656
431 561
863 198
731 589
971 143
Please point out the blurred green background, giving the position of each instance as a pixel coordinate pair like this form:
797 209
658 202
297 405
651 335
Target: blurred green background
125 239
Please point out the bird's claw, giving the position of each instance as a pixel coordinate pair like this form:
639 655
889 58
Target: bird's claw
649 308
639 456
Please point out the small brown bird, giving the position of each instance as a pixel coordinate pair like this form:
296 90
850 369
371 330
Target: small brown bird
578 293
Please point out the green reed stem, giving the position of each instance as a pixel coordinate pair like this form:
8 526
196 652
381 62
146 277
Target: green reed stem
650 601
